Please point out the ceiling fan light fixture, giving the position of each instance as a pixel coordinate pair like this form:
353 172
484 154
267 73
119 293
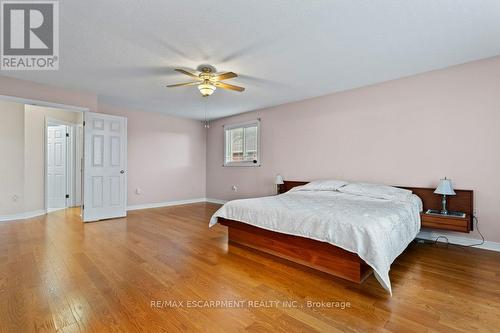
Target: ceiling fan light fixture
206 89
208 80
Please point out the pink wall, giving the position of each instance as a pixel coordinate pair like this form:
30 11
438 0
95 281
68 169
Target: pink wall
30 90
166 156
411 131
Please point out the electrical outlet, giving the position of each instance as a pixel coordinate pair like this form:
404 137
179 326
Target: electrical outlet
15 197
138 191
234 188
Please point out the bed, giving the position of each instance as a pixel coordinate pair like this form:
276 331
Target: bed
346 233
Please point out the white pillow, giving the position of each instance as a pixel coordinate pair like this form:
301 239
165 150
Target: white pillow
324 185
377 191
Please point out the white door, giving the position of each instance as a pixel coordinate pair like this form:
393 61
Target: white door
105 162
56 166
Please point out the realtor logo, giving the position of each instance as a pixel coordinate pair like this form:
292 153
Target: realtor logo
30 35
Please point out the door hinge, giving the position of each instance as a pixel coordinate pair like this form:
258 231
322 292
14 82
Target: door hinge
84 123
83 206
67 135
67 196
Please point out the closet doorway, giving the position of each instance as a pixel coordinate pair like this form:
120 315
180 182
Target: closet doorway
64 153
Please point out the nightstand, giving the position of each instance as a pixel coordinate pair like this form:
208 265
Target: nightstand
453 223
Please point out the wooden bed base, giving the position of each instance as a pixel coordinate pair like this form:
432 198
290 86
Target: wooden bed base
309 252
321 255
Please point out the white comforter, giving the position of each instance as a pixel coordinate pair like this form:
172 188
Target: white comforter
378 230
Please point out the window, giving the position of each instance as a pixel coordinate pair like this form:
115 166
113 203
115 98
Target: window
241 144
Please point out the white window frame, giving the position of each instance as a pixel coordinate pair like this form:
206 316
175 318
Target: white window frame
251 123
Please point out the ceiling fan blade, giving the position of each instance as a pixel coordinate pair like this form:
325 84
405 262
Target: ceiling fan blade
224 76
180 70
228 86
183 84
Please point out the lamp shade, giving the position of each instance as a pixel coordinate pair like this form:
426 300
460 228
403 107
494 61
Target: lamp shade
445 187
278 180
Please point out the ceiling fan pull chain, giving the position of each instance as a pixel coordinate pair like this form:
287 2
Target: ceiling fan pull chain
207 124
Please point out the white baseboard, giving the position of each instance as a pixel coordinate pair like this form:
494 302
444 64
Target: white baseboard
50 210
165 204
22 216
216 201
453 239
427 235
27 215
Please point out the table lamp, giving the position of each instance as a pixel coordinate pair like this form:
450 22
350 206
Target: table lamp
278 181
445 188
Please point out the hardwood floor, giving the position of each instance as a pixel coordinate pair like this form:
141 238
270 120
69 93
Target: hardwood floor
58 274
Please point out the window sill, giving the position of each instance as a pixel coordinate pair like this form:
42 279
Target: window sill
242 164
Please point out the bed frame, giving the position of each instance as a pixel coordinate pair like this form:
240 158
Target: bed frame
324 256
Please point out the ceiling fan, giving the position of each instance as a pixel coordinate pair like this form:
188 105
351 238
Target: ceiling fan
208 80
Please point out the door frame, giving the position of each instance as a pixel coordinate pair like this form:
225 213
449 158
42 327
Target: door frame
37 102
70 162
64 107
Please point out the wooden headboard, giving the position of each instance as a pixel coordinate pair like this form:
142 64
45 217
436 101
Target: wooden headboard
463 201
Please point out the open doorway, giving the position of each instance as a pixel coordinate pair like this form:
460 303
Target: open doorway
86 164
53 171
23 185
64 154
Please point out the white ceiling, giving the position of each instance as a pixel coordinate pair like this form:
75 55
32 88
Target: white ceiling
284 50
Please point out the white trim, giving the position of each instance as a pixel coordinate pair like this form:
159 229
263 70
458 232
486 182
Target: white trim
432 235
70 165
22 216
78 190
427 235
174 203
242 163
165 204
216 201
50 120
27 215
249 123
37 102
51 210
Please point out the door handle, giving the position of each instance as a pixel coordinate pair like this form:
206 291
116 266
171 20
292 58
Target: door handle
122 171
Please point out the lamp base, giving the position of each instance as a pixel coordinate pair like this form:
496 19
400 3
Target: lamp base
444 211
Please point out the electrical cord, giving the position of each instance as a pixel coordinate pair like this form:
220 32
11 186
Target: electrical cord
474 218
479 231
